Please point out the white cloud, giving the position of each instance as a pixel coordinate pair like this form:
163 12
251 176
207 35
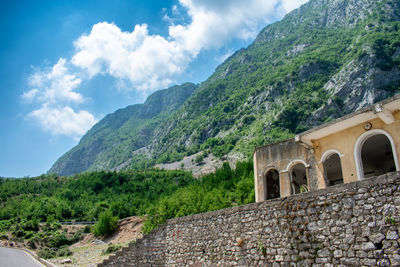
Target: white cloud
63 120
289 5
147 61
151 62
30 95
142 60
54 85
54 90
215 22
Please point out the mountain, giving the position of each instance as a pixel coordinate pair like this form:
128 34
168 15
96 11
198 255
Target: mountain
322 61
111 140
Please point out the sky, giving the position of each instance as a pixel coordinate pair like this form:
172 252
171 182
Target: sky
64 65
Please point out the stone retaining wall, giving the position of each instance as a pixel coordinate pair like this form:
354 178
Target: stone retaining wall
350 225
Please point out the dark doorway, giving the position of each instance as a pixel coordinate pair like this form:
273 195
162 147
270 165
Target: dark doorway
299 178
272 184
333 170
377 156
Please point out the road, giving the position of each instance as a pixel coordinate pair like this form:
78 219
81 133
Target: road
16 258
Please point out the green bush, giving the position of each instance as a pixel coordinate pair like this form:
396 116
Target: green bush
87 229
106 224
47 253
199 158
63 252
111 249
222 189
31 243
58 239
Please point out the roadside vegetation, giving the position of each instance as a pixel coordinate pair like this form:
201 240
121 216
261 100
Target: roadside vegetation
31 209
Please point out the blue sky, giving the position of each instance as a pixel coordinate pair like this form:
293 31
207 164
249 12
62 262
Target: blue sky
66 64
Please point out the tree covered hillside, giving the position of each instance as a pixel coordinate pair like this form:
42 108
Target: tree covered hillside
324 60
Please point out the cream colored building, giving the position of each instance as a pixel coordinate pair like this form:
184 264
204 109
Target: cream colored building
357 146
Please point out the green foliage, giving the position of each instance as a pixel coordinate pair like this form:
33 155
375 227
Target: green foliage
101 196
199 158
85 196
46 253
111 248
106 224
222 189
87 229
160 194
63 251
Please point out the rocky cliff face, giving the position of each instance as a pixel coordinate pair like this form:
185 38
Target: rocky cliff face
323 60
358 84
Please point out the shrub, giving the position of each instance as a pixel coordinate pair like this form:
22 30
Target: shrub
47 253
111 249
106 224
57 239
87 229
31 225
63 252
199 158
31 243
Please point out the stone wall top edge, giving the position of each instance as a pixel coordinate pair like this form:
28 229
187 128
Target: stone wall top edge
353 186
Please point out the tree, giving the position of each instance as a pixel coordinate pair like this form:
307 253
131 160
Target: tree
106 224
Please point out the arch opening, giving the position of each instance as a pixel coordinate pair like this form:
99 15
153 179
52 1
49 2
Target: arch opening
333 170
272 187
299 178
377 156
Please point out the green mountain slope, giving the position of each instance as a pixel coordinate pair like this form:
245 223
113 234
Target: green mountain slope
111 141
323 60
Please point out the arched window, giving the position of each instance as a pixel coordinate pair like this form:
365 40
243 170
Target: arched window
375 154
298 175
333 170
271 185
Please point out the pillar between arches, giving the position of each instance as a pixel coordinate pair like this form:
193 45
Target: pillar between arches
285 184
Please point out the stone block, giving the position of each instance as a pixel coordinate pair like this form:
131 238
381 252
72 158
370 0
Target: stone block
383 262
350 261
392 235
337 253
376 238
394 259
369 262
324 252
322 260
368 246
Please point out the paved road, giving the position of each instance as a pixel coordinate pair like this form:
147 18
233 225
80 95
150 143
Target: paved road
16 258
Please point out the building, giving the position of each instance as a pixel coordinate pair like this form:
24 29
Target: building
363 144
